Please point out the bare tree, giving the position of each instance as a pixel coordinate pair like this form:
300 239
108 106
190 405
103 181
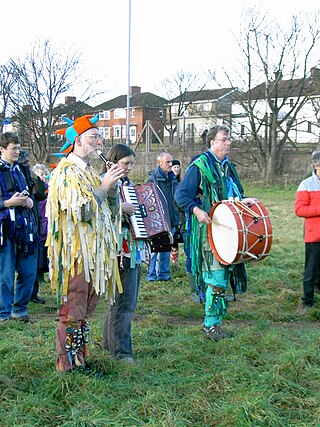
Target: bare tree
175 89
269 113
41 78
7 83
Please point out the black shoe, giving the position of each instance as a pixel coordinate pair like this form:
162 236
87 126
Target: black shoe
38 300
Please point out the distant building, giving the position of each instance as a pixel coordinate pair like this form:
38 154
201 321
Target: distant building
300 96
143 107
194 112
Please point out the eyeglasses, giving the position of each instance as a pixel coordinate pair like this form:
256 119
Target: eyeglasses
224 139
95 137
15 149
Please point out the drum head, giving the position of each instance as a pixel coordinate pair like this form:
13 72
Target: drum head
224 234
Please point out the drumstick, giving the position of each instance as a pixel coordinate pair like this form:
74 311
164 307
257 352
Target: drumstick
222 225
246 208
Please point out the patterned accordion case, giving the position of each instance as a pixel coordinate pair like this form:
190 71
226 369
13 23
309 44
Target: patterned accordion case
151 220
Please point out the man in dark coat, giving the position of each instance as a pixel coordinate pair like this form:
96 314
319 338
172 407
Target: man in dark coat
165 179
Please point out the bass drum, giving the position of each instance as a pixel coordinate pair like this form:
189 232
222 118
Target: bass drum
239 231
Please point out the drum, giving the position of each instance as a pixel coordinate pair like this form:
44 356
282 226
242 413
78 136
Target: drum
239 231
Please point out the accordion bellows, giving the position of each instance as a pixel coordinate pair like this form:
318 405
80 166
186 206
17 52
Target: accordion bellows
151 222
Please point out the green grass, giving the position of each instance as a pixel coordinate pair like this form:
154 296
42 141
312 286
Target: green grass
267 375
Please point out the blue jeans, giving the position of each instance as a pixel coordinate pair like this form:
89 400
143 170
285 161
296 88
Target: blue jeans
117 326
14 299
159 265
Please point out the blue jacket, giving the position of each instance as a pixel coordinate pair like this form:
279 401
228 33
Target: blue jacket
167 184
20 226
187 194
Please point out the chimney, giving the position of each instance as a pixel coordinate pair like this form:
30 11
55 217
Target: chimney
315 73
278 75
69 100
135 90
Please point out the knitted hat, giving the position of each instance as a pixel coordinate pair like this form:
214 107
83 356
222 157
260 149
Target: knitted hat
23 157
76 128
176 162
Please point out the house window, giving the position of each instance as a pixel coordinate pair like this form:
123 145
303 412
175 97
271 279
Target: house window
105 132
309 124
119 132
161 114
242 131
116 132
175 109
133 112
60 121
119 113
101 132
291 102
104 115
205 107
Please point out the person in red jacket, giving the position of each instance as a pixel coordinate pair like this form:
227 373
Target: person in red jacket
307 205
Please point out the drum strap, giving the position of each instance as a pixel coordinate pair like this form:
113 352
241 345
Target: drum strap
206 172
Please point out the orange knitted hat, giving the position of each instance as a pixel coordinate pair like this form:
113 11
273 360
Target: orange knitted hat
76 128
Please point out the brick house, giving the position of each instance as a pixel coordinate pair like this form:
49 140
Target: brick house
143 107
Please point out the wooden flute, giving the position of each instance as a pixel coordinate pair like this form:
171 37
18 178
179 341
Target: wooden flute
109 164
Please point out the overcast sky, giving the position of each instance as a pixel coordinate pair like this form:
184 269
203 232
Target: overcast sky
166 35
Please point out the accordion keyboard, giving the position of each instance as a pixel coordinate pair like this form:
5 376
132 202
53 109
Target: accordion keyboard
135 219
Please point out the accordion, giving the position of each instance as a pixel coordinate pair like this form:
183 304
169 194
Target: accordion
150 222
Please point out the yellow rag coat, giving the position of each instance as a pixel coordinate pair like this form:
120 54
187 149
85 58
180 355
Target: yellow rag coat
91 244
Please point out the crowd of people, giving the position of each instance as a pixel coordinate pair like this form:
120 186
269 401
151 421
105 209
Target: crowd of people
73 226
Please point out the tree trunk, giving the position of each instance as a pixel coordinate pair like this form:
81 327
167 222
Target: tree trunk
271 159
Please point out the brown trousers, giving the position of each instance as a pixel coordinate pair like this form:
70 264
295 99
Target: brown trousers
81 303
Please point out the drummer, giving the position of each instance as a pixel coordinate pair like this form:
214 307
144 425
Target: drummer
210 178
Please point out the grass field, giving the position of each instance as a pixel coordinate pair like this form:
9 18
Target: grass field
267 375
